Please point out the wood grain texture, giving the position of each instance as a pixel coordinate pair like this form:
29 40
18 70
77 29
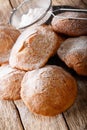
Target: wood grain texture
37 122
75 3
5 10
76 116
9 118
15 3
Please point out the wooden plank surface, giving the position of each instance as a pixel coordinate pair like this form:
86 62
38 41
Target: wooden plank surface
5 10
36 122
9 118
15 3
16 116
76 116
75 3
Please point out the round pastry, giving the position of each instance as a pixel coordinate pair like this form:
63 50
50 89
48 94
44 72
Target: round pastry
68 26
48 91
8 36
10 82
34 51
73 52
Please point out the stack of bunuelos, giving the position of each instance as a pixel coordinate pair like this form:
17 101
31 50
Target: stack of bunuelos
45 89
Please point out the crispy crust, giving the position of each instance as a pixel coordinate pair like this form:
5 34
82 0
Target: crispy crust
10 82
34 51
73 52
8 36
68 26
48 91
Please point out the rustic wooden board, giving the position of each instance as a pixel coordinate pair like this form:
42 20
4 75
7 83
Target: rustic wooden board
76 116
5 10
16 116
75 3
36 122
15 3
9 118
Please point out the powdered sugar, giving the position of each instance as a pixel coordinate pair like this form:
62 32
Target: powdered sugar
31 16
73 44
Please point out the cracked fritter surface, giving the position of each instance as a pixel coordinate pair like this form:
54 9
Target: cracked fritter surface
35 50
71 27
8 36
73 52
10 82
48 91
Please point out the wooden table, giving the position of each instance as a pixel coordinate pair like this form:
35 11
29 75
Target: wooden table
14 115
